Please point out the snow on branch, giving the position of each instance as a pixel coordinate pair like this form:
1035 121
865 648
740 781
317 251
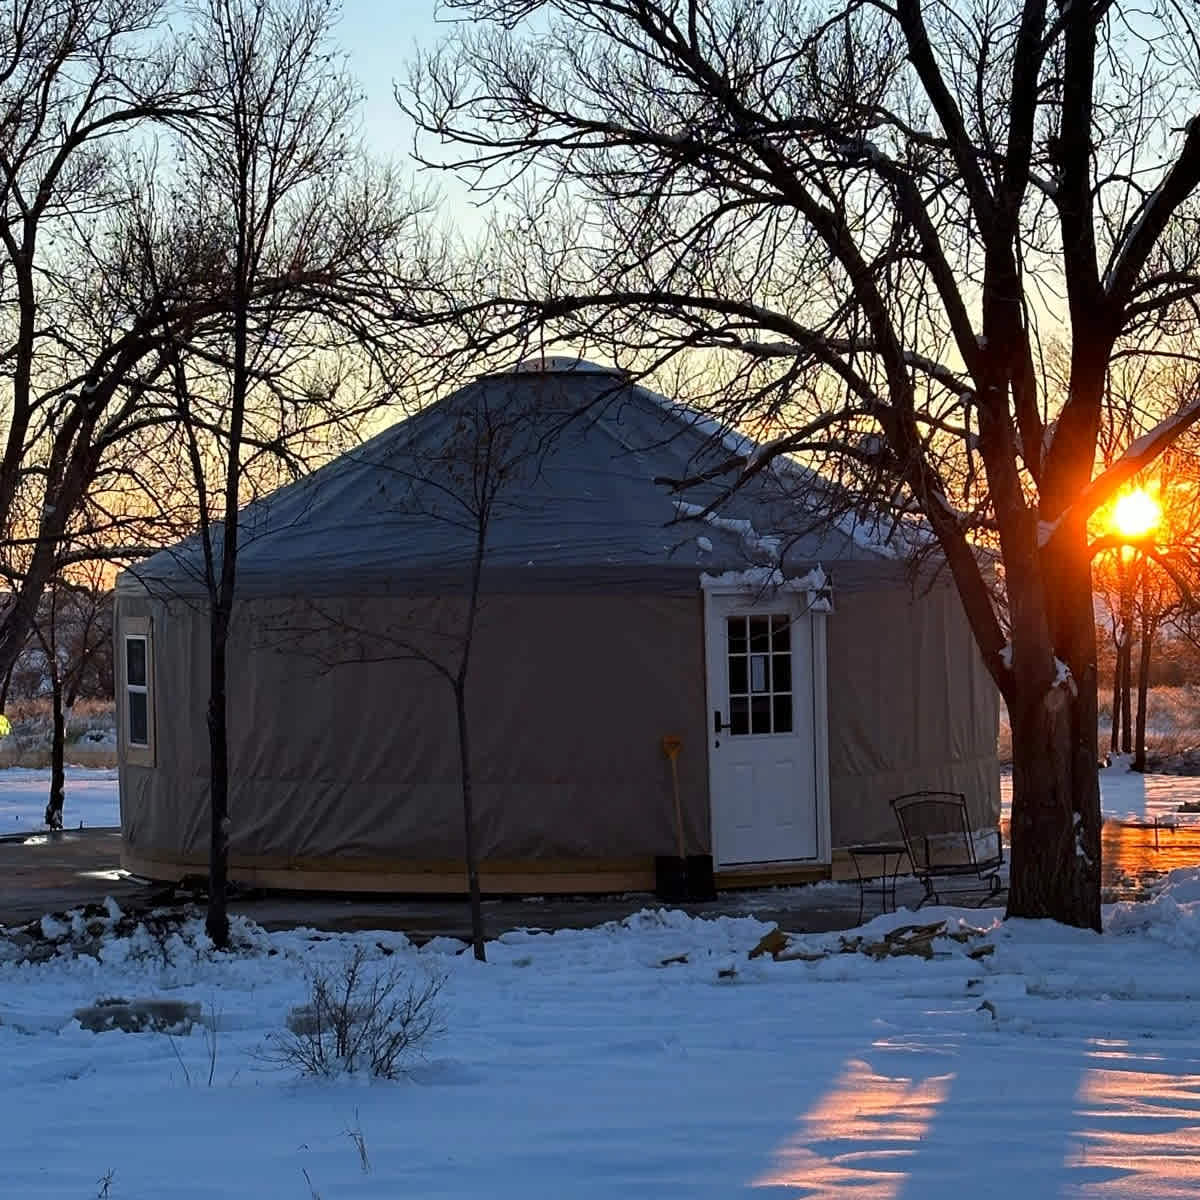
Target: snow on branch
1137 455
1120 256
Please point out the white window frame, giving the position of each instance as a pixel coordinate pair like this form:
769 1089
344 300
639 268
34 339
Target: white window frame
137 629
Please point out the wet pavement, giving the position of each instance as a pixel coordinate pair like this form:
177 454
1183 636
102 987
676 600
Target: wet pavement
1136 856
51 873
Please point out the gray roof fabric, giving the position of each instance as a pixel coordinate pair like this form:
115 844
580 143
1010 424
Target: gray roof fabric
580 509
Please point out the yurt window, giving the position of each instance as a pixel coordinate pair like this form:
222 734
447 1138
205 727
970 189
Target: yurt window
138 692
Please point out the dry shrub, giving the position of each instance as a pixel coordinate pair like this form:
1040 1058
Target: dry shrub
90 734
360 1019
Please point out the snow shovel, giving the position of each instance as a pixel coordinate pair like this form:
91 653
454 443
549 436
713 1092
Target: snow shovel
671 747
685 876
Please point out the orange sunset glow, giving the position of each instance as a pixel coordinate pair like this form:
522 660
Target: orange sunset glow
1136 514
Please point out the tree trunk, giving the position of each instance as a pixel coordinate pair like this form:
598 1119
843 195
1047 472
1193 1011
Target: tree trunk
1127 690
468 801
217 920
1055 815
1118 663
1143 690
1055 833
1125 660
6 685
54 808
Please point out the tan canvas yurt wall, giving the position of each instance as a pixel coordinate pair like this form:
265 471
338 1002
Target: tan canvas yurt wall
344 773
347 774
911 707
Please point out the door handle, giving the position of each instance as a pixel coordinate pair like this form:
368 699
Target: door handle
717 726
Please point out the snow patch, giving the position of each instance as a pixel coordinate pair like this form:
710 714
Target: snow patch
866 536
751 538
1080 851
1131 234
1045 531
815 583
1063 677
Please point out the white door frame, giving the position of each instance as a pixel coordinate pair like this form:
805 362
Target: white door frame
814 594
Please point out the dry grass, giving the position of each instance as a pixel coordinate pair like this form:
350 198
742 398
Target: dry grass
32 729
1173 722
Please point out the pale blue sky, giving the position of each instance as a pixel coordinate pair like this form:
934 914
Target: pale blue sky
380 36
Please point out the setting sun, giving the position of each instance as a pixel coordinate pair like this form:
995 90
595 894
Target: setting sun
1136 514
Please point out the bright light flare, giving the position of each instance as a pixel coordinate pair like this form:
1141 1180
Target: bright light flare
1136 514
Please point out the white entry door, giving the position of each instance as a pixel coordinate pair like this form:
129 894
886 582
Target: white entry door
767 749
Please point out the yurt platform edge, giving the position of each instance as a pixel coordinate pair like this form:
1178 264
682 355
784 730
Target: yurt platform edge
379 876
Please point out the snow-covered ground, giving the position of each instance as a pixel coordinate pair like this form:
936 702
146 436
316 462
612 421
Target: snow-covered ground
90 799
1056 1064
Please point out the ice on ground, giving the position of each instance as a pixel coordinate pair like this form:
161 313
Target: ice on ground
646 1058
90 799
1127 795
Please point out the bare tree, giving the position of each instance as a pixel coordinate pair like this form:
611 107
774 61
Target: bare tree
80 82
464 477
87 89
1166 582
73 629
284 215
863 215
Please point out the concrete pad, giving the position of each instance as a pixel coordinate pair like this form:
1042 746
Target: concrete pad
51 872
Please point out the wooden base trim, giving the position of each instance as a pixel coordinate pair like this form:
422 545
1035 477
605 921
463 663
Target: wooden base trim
397 876
770 875
553 877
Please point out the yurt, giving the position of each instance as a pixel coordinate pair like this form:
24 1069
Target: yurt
650 671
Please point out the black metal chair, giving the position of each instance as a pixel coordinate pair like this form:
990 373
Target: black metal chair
937 833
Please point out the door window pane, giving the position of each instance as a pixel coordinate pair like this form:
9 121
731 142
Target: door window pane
758 673
737 634
760 633
783 714
738 684
739 715
760 714
781 680
781 633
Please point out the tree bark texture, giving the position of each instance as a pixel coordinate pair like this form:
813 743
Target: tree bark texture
1127 693
1056 792
1115 738
1143 689
217 919
54 807
468 802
